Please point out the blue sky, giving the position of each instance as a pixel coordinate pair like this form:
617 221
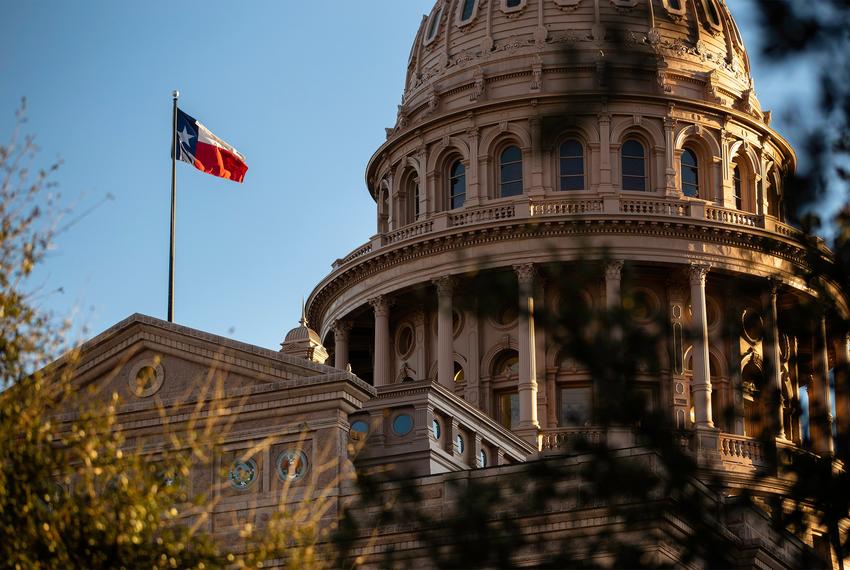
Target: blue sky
303 89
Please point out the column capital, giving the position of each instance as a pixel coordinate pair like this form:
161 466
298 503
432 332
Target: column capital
341 328
697 272
445 285
381 305
614 269
773 285
526 273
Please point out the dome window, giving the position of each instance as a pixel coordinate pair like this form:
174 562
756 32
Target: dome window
739 195
467 10
510 172
712 14
509 6
457 185
572 165
675 7
690 173
634 166
433 25
743 185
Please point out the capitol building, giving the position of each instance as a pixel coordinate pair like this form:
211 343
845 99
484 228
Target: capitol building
553 163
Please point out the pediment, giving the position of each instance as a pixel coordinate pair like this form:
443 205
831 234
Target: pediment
150 363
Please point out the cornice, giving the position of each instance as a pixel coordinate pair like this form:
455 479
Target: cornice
430 245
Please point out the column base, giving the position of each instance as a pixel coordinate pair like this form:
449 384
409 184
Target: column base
705 445
530 434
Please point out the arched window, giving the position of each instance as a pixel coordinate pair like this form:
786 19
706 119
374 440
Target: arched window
738 184
433 25
505 374
690 173
459 375
711 13
634 165
510 172
412 198
572 165
467 10
457 185
774 206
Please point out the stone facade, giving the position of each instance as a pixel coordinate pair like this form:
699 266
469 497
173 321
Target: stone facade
535 138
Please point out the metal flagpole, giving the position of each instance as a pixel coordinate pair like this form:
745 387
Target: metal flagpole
174 149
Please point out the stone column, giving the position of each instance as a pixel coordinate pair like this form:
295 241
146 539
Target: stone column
605 185
381 306
702 373
820 408
842 391
613 296
419 324
445 331
536 155
774 364
473 180
527 358
670 189
341 330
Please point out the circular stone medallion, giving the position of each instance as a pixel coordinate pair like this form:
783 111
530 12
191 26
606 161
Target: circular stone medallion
292 465
242 474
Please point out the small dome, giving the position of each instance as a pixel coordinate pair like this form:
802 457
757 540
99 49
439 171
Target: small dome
302 332
304 342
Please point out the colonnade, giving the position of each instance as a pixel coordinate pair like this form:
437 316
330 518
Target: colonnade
701 385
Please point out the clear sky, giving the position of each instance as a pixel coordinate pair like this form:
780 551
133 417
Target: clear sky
303 89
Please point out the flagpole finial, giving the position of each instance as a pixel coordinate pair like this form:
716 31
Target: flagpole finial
175 94
303 320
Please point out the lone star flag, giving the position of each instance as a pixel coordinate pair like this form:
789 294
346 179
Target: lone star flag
199 147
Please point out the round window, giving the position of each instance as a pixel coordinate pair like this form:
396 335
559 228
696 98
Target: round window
459 444
642 305
146 378
291 464
242 474
402 424
359 426
435 429
482 459
405 340
752 325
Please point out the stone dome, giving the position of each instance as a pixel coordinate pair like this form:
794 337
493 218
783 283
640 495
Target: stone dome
302 332
304 342
471 52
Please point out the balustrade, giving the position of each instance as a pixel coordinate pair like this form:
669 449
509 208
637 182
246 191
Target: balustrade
575 207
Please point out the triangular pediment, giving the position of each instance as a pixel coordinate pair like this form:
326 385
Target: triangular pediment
150 363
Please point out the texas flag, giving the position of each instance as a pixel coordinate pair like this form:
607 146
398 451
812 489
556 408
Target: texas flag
199 147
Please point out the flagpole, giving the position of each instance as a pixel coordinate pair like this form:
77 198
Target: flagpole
175 94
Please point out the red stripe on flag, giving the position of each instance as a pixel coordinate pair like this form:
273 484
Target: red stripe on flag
219 162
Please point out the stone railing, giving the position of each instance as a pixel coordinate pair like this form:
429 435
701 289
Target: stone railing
409 231
359 252
787 231
740 450
565 438
566 207
478 215
733 217
654 207
523 209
